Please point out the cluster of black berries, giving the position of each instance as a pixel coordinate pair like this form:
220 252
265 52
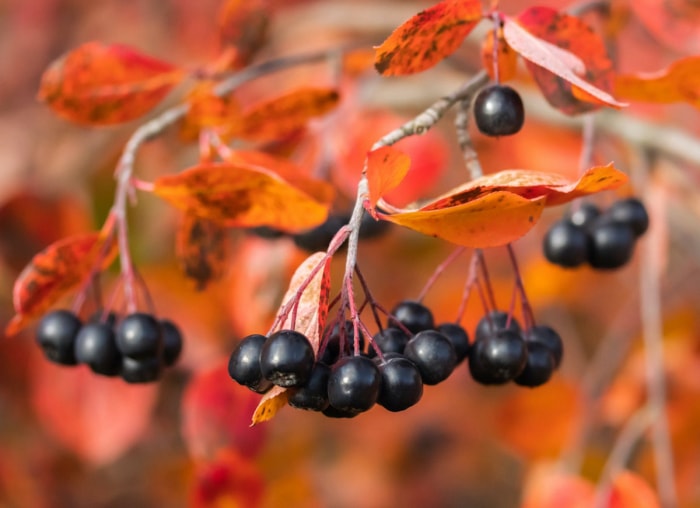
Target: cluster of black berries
603 239
498 111
318 238
414 353
137 347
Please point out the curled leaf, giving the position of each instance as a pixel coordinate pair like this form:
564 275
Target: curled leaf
386 168
428 37
103 84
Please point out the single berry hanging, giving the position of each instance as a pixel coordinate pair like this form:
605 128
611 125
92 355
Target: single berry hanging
499 111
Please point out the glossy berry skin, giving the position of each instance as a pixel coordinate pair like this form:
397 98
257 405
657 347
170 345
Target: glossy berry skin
585 215
244 364
313 396
141 370
389 340
499 111
433 354
612 245
548 337
630 212
332 412
140 335
458 337
56 333
318 238
539 366
413 315
286 358
332 351
566 244
353 384
95 346
494 321
172 342
401 386
498 358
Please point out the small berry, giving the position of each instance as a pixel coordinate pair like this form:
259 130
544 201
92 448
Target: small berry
244 364
145 369
566 244
433 354
56 335
313 395
389 340
332 351
95 346
286 358
584 215
630 212
498 358
539 366
266 232
499 111
318 238
172 342
459 338
413 315
140 335
548 337
371 228
494 321
401 386
612 245
332 412
353 384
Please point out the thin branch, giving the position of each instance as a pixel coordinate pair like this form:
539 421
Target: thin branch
471 158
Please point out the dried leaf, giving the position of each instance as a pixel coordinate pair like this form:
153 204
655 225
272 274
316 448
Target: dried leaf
386 168
101 84
674 24
55 271
310 319
243 24
243 195
506 57
201 249
567 59
284 115
680 82
428 37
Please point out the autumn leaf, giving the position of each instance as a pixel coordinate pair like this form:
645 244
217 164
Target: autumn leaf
243 26
243 195
309 319
629 490
208 110
284 115
567 59
386 168
506 57
428 37
674 24
548 488
102 84
201 249
680 82
53 272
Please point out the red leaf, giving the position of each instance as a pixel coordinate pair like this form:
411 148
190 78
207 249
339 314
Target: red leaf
505 55
428 37
674 24
629 490
311 316
97 418
99 84
680 82
244 25
216 413
201 249
244 195
386 168
55 271
209 110
552 489
559 44
229 481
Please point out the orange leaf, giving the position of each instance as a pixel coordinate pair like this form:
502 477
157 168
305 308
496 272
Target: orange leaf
100 84
629 490
284 115
553 489
386 168
310 320
201 249
241 195
428 37
208 110
673 23
507 57
562 52
680 82
243 24
53 272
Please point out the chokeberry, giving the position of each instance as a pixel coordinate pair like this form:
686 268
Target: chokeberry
498 358
566 244
389 340
459 338
140 335
332 412
286 358
95 346
612 244
538 367
244 364
318 238
401 385
630 212
56 335
433 354
314 394
494 321
584 215
172 342
145 369
413 315
353 384
499 111
371 228
548 337
332 351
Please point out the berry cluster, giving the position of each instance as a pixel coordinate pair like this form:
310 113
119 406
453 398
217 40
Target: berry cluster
603 239
137 347
403 357
498 111
318 238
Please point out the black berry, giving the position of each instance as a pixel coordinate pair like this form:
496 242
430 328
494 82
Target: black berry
433 354
414 315
630 212
353 384
318 238
95 346
459 338
566 244
172 342
549 338
140 335
612 245
539 366
584 215
244 364
56 335
498 358
332 351
266 232
499 111
314 394
389 340
141 370
332 412
371 228
401 385
494 321
286 358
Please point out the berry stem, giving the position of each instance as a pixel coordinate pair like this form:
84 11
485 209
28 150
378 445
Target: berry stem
487 280
439 270
472 278
528 314
370 298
